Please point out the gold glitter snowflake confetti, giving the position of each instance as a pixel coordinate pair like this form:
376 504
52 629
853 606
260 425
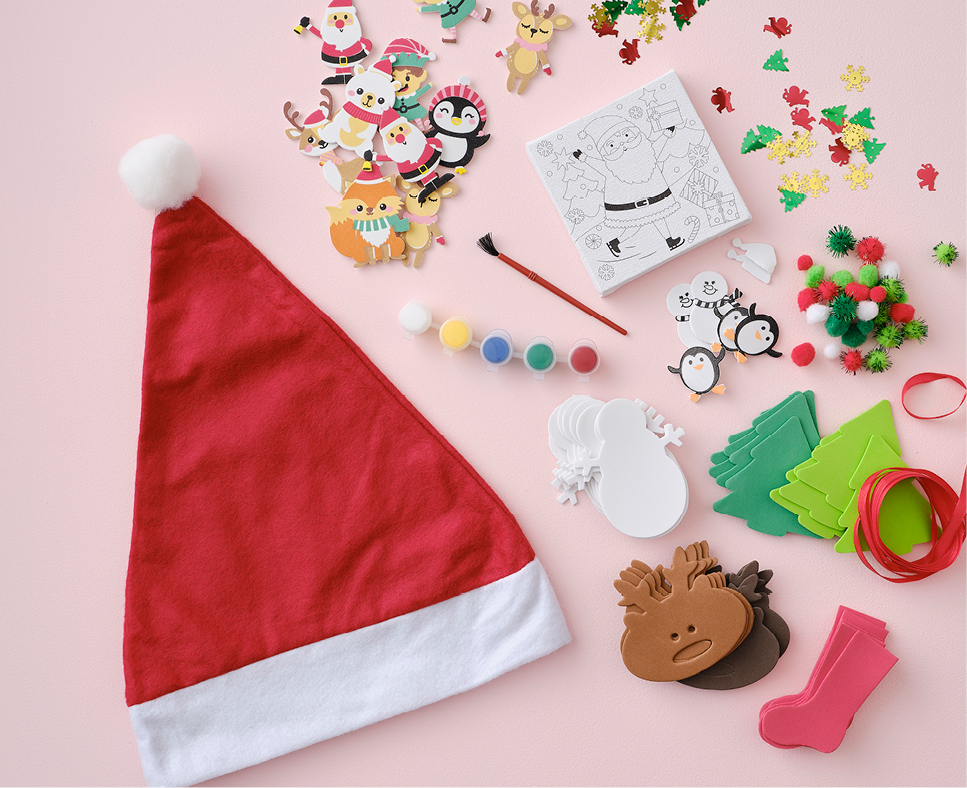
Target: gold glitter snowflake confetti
854 136
855 77
815 184
857 176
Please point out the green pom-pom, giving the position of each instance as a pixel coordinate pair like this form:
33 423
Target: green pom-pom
890 336
945 254
894 290
840 241
883 315
854 337
916 329
869 275
877 360
842 278
836 326
866 326
903 298
844 308
814 275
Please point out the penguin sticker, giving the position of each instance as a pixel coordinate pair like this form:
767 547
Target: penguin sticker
757 334
458 116
710 293
679 303
699 371
726 331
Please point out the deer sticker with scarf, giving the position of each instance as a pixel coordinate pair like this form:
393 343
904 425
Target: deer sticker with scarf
528 54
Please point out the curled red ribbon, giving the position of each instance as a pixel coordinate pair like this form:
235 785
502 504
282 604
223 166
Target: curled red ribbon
948 511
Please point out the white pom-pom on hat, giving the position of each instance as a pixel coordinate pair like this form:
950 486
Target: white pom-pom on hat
817 313
867 310
889 269
832 351
160 172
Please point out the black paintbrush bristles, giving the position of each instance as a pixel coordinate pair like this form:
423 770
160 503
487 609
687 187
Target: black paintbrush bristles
487 244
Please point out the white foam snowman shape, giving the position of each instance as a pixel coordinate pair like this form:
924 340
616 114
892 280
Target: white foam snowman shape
709 290
642 491
679 303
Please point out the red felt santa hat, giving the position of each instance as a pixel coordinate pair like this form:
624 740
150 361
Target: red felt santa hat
289 578
339 6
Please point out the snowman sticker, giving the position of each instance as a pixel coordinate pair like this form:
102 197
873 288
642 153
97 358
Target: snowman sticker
679 303
710 292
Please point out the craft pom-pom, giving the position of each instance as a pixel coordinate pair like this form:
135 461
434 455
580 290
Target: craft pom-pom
867 310
854 336
852 361
868 275
870 249
857 291
877 294
844 308
161 173
943 253
894 289
877 360
814 276
836 326
902 313
889 269
803 355
804 263
840 241
832 350
866 326
916 329
828 290
817 313
806 298
842 278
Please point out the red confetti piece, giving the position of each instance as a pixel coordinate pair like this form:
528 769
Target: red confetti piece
629 51
833 128
605 28
685 9
722 99
839 153
927 175
794 95
802 118
778 26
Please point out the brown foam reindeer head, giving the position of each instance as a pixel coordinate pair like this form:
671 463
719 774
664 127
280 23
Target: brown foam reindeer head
679 620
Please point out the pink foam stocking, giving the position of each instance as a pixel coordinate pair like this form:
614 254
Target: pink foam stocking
821 721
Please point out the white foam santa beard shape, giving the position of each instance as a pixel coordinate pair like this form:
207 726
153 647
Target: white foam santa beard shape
756 337
642 491
454 126
679 303
707 287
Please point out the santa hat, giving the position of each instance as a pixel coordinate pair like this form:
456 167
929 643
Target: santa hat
461 89
341 6
285 584
384 66
408 52
389 117
603 127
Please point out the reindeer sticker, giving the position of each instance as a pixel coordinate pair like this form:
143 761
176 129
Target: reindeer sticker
422 217
680 620
307 132
528 54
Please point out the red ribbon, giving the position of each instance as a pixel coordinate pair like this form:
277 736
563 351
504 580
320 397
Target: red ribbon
948 511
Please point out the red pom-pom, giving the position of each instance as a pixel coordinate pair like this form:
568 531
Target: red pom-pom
852 361
870 250
807 297
805 262
803 355
878 294
901 313
828 290
857 292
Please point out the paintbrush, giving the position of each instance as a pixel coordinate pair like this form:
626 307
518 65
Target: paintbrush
487 244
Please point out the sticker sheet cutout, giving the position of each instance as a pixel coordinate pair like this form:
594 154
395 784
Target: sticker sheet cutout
633 460
838 454
637 183
679 620
749 499
905 515
679 303
758 259
526 60
711 292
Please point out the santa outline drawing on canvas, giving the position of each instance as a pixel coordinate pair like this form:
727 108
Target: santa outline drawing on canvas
636 194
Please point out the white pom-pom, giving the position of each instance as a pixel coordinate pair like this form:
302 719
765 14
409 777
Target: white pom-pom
889 269
832 351
160 172
867 310
817 313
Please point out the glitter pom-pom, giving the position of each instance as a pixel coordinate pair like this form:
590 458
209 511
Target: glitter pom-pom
915 330
943 253
832 350
870 249
882 315
803 355
894 289
844 308
877 360
814 276
804 263
890 336
806 298
868 275
840 241
817 313
828 290
852 361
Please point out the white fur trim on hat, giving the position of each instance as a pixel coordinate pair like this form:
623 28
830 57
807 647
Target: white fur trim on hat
160 172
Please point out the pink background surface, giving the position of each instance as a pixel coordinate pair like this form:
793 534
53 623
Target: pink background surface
83 82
